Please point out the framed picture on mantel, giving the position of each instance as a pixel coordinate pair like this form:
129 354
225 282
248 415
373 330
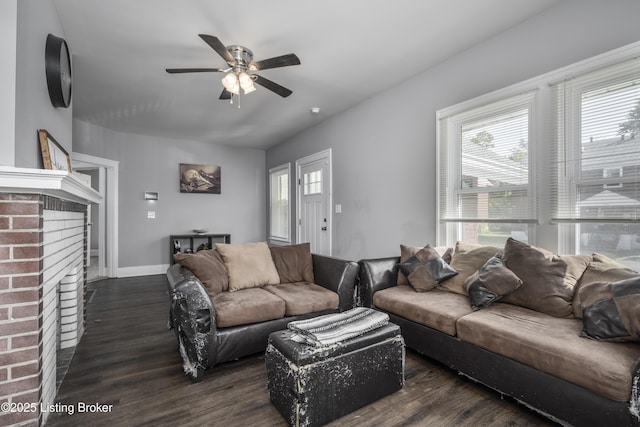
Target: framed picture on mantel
54 157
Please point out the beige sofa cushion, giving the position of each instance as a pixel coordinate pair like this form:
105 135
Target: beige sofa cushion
553 345
304 297
208 267
247 306
467 259
437 309
548 279
293 263
249 265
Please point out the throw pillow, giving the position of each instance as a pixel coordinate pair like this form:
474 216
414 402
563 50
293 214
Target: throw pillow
426 269
467 259
249 265
611 310
407 252
548 279
489 284
600 269
293 263
208 267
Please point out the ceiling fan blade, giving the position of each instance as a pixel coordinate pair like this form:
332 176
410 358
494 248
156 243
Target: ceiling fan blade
274 87
276 62
194 70
225 94
217 45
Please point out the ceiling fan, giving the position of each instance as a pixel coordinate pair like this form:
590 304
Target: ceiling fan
241 65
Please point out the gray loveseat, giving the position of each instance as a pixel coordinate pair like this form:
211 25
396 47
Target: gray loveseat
223 307
510 341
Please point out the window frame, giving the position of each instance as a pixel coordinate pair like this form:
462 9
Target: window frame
607 178
274 173
450 124
554 235
568 143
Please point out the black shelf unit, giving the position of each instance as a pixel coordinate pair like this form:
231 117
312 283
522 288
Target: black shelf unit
190 242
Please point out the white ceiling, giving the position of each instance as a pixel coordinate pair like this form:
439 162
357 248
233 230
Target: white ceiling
350 50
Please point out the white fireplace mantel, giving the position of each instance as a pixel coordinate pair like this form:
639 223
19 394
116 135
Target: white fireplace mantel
60 184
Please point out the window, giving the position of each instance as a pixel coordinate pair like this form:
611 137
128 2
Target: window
485 192
597 192
608 173
312 182
553 161
279 203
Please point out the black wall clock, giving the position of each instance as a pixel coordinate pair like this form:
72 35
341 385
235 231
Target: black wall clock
58 68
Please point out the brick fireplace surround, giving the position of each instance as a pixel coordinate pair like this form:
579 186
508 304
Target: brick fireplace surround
43 261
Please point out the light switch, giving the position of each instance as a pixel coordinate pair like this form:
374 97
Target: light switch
151 214
338 208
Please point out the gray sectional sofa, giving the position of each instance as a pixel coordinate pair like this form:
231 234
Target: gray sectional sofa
550 339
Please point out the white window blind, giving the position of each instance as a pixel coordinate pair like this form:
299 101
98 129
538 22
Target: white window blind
279 203
484 163
597 162
485 186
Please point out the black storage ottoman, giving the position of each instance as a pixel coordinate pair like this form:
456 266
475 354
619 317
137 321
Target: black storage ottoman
311 386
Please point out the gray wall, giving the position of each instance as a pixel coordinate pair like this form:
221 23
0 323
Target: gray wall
8 43
384 149
151 164
33 109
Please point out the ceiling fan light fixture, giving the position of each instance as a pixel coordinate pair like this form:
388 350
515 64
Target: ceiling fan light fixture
230 82
244 79
249 89
246 82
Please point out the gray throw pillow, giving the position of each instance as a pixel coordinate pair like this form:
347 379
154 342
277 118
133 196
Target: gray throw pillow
426 269
611 310
492 282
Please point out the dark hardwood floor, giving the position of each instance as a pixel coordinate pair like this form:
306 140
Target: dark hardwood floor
129 359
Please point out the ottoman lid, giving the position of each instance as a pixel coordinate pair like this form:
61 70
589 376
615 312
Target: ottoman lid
304 354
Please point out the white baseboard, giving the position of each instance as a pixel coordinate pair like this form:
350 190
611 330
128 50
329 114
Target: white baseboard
142 270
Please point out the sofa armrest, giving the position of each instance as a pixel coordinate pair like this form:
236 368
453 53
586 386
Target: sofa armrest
192 316
634 403
337 275
176 273
375 275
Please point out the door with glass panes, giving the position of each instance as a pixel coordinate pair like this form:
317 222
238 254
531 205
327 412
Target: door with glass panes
314 190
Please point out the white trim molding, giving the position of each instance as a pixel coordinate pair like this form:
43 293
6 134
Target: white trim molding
60 184
142 270
108 207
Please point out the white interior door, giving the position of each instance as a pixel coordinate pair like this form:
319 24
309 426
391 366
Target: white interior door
314 202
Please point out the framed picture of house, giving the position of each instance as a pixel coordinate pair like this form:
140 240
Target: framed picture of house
54 157
199 178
